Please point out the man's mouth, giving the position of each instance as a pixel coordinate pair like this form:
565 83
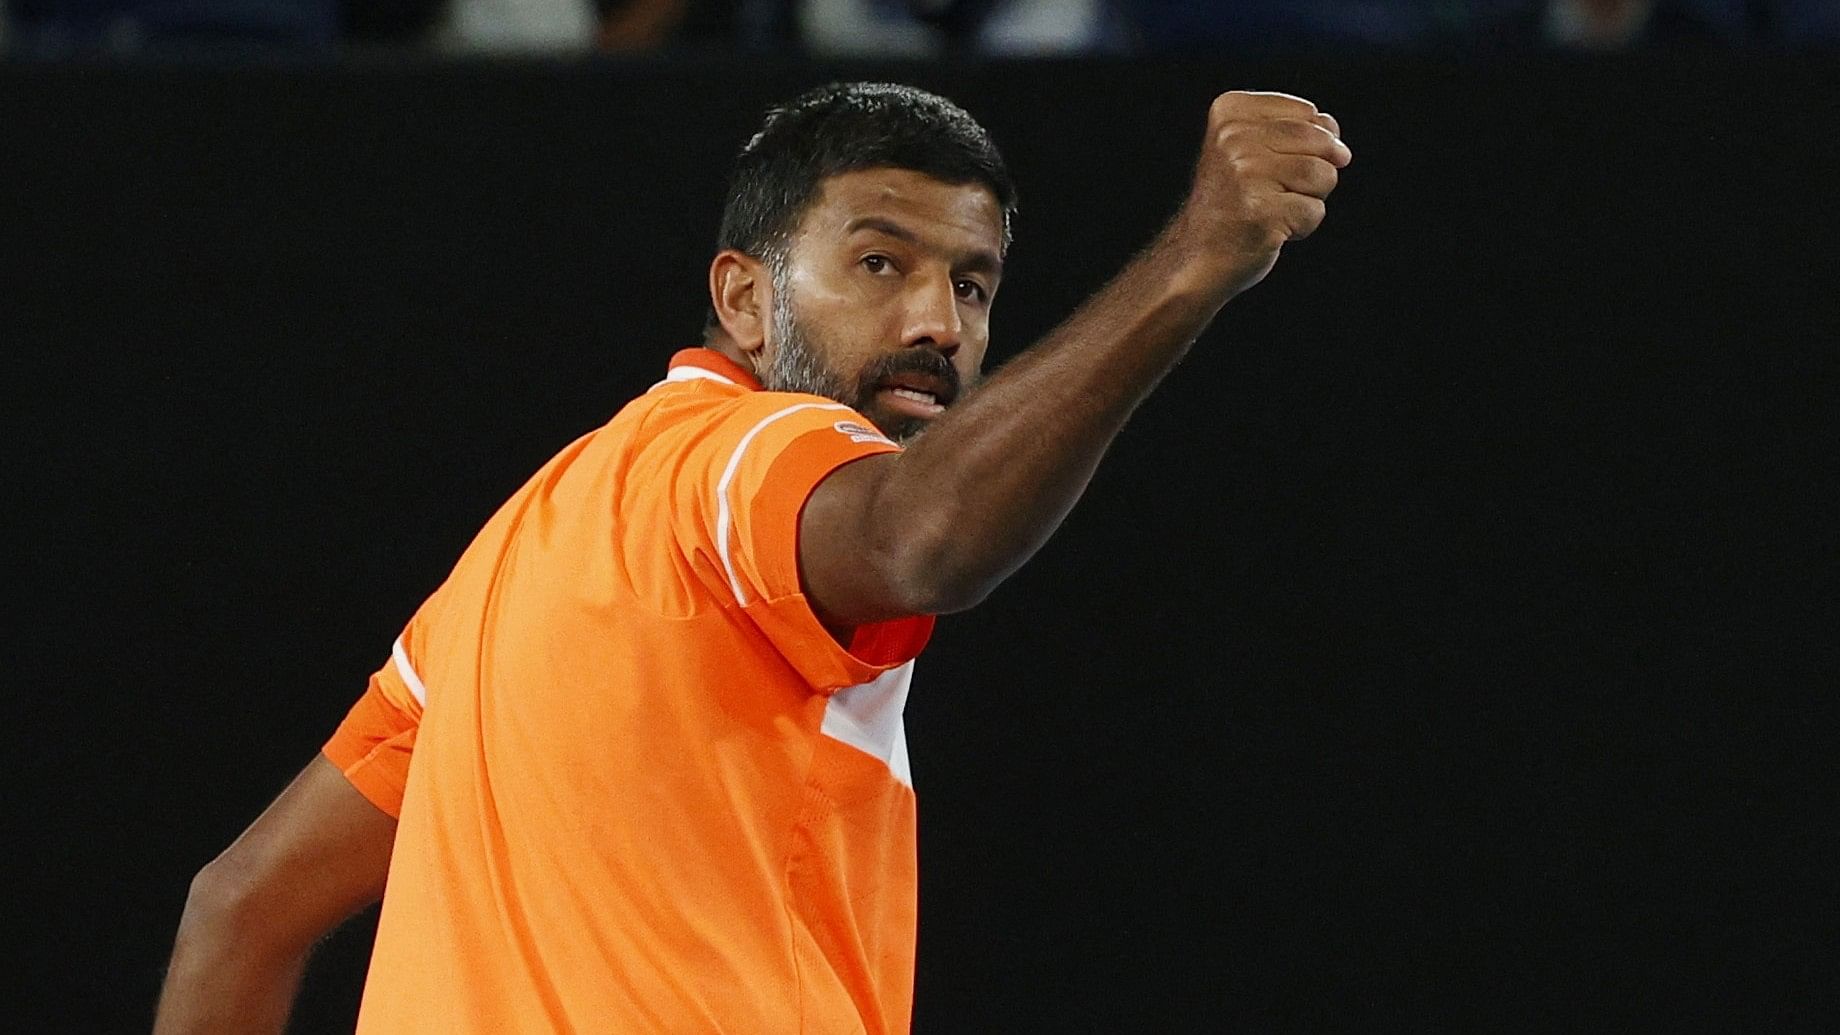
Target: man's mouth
915 395
910 402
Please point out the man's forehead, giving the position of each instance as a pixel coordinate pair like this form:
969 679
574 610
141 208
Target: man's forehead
865 200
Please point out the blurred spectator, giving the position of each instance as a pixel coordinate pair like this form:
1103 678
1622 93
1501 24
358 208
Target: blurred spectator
1610 25
920 28
522 27
63 28
865 28
515 26
1620 24
1042 28
1182 26
640 25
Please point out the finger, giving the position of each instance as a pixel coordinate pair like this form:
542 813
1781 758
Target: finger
1309 138
1292 137
1301 214
1257 104
1301 174
1327 121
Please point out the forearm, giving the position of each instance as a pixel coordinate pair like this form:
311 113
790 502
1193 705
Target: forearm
317 855
223 978
983 489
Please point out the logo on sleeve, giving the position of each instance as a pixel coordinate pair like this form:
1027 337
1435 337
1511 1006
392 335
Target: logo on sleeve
860 433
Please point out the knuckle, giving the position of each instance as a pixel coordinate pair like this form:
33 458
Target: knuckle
1238 136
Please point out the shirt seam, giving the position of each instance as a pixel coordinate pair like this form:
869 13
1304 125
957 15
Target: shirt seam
812 733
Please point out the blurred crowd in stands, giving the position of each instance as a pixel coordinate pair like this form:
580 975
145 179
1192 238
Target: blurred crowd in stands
54 29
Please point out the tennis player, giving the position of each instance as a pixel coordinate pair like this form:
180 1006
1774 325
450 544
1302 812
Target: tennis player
638 765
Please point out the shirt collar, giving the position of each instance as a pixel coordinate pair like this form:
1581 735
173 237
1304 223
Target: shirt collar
692 364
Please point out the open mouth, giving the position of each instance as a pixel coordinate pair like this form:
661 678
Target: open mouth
916 394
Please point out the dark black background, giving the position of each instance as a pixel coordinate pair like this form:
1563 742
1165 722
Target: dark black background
1446 641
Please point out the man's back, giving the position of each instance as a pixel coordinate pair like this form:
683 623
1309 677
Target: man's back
625 812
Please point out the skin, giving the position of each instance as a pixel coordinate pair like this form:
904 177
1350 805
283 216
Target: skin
880 272
314 857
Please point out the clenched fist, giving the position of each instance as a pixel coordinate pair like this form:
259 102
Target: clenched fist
1267 165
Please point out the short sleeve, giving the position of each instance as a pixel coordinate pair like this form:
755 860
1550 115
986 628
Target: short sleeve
770 451
373 746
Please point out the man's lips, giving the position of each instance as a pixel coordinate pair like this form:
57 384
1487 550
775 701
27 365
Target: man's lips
910 402
916 394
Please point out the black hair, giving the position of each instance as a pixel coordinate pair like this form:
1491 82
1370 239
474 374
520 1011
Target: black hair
846 127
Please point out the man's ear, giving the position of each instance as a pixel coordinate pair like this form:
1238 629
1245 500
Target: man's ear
740 287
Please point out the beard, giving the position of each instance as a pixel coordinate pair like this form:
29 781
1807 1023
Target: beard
797 365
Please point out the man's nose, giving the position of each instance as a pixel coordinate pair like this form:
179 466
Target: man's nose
932 316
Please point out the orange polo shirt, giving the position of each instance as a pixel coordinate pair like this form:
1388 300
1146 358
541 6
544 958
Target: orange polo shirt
640 787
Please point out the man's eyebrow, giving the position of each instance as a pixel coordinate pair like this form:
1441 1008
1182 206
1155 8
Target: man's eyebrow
976 261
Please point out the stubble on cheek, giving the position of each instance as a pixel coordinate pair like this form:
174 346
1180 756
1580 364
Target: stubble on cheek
799 365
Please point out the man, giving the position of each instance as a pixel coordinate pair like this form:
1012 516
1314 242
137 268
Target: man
659 778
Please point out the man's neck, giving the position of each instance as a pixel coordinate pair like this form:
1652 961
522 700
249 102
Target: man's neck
726 346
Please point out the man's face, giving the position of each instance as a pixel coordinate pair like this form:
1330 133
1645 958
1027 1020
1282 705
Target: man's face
883 302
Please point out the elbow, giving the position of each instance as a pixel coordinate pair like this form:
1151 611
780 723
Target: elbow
228 904
937 593
220 898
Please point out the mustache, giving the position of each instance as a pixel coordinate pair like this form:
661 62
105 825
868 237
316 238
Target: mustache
918 360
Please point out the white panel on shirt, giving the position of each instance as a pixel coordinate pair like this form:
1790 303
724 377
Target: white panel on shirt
408 673
868 717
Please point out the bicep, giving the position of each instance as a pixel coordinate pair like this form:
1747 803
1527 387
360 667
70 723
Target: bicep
848 571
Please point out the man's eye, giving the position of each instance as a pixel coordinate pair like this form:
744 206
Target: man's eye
875 263
971 289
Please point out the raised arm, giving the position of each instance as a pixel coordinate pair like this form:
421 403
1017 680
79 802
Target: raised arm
934 529
317 855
